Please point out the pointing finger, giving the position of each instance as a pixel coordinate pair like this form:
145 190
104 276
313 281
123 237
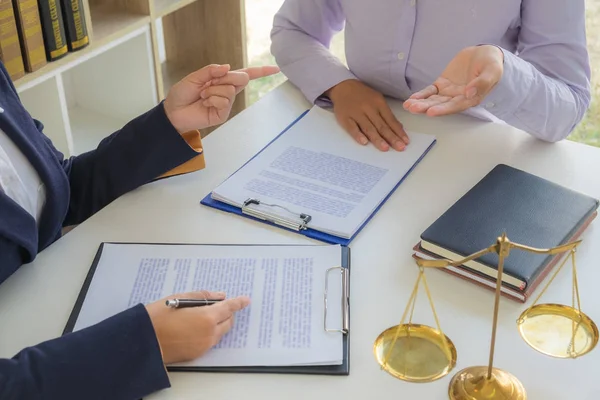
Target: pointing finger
206 74
235 78
260 72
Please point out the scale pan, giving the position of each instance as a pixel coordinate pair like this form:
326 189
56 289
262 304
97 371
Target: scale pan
418 355
548 328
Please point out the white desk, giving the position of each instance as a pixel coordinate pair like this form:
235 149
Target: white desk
36 302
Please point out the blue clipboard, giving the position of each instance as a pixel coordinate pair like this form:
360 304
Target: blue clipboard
309 232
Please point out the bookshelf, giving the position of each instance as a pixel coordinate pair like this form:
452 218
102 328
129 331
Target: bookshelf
138 49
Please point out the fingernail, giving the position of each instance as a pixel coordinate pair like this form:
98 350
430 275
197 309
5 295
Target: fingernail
471 92
216 81
406 139
363 141
399 145
203 94
384 146
222 294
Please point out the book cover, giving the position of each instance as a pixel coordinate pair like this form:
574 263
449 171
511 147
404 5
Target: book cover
529 209
55 39
75 26
10 47
30 34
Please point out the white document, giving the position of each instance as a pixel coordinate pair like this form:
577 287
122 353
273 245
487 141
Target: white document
284 324
316 168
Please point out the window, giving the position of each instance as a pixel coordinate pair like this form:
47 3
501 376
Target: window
259 21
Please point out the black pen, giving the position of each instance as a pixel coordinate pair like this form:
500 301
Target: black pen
182 303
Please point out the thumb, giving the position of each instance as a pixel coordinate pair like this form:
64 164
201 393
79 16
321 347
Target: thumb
482 84
206 74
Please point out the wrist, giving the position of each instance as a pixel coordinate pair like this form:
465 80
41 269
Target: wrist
496 49
334 92
169 113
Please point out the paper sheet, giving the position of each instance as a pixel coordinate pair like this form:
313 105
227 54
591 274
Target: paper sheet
282 326
315 168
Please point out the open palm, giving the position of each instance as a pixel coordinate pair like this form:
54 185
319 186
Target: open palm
465 82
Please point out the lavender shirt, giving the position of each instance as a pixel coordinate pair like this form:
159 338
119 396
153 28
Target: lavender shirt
400 46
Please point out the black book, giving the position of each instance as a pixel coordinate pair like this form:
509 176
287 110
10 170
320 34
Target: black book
530 210
53 29
75 26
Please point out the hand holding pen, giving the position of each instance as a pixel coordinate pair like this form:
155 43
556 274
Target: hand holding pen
186 328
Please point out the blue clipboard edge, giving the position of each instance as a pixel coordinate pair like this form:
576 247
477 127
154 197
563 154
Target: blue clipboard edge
342 369
311 233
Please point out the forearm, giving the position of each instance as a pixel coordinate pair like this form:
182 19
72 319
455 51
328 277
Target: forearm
118 358
545 107
301 35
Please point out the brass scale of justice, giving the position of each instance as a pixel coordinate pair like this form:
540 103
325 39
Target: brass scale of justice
420 353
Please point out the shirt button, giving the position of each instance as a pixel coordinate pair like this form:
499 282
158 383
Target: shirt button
490 105
400 56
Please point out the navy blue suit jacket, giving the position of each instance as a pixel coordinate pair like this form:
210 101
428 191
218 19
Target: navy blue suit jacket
118 358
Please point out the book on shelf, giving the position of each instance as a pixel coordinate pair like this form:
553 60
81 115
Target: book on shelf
531 210
10 47
55 40
30 34
75 26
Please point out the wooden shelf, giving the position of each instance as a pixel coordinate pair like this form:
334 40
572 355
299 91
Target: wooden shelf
172 73
164 7
122 73
110 23
72 59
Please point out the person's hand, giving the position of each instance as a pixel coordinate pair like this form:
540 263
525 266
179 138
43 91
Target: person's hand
465 82
364 113
204 98
187 333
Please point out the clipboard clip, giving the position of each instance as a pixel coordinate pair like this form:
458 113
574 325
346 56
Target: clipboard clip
298 222
345 302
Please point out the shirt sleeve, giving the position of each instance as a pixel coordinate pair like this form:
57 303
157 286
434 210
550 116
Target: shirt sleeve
545 88
301 36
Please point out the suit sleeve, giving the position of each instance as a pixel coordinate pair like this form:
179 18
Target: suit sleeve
118 359
545 88
146 148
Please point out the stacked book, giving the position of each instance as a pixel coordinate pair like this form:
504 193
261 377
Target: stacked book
35 32
529 209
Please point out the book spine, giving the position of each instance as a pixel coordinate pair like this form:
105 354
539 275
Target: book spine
53 28
30 32
77 34
10 47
